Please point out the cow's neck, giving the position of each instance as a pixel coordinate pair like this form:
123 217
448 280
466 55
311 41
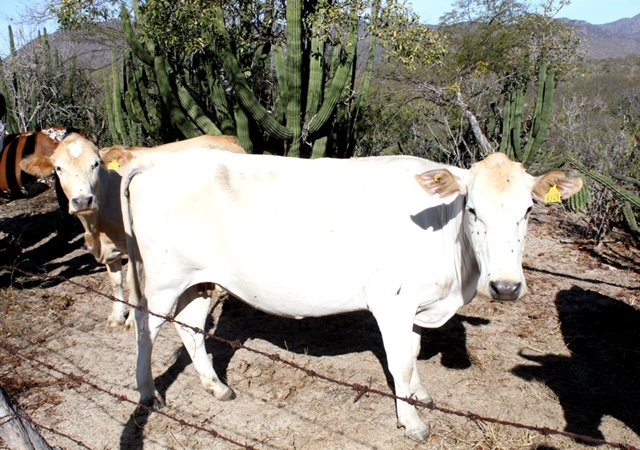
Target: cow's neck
89 222
469 268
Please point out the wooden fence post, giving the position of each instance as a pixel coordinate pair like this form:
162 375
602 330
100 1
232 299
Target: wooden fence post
16 430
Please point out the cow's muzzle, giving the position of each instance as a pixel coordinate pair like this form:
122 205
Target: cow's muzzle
82 204
505 290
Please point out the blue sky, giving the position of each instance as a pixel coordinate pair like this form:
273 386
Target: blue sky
593 11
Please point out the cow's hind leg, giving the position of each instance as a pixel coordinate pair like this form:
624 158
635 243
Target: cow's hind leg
147 328
400 347
119 309
192 310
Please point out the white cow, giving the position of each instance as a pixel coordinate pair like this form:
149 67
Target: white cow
94 197
405 238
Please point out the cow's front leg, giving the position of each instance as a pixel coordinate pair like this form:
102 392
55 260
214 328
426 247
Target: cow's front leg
193 309
133 297
417 389
119 309
400 346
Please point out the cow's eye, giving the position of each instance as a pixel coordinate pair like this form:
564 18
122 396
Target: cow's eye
528 212
95 164
58 169
472 212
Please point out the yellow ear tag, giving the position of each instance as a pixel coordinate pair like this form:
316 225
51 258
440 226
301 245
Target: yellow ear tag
553 196
113 165
437 178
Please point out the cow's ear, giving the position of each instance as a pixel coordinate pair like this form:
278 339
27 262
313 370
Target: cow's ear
441 182
116 156
555 182
36 165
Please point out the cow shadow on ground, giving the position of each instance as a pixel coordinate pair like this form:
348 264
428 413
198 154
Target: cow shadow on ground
600 376
326 336
32 245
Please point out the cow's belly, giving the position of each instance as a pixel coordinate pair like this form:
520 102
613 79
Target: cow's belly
326 275
291 281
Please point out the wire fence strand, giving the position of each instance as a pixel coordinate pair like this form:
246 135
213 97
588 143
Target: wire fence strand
358 389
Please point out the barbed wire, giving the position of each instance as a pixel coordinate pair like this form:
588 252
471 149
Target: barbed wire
12 350
359 389
39 426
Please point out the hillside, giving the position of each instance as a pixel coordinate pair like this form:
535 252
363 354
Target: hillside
610 40
93 48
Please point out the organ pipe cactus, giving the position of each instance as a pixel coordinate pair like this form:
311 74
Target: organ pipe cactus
307 97
10 116
542 114
525 146
580 201
124 129
629 200
182 109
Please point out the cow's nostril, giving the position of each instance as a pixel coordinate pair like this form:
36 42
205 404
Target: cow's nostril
504 290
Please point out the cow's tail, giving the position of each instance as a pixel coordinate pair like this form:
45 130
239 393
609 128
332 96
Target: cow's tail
135 260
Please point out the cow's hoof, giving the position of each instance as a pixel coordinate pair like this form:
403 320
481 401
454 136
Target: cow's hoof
130 323
147 405
115 323
159 403
156 402
417 433
226 395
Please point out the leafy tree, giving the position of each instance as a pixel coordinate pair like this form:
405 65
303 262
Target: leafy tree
495 87
283 76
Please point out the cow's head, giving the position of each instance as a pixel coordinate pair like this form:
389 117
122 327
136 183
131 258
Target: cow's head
77 164
499 196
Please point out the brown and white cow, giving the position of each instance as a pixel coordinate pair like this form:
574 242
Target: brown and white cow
403 237
15 183
93 191
18 146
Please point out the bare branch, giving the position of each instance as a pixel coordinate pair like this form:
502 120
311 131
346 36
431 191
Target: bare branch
475 126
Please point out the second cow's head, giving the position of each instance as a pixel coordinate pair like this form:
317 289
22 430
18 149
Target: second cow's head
77 164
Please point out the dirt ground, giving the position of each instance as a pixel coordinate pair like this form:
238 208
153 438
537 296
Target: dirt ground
566 357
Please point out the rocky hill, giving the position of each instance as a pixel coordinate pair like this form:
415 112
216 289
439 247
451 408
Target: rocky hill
610 40
617 39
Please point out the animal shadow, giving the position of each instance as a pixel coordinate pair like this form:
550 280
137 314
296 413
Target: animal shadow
325 336
33 243
600 376
340 334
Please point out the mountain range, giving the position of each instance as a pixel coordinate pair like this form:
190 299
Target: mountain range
610 40
617 39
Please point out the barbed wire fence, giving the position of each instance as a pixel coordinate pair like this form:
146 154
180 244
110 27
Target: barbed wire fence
358 389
